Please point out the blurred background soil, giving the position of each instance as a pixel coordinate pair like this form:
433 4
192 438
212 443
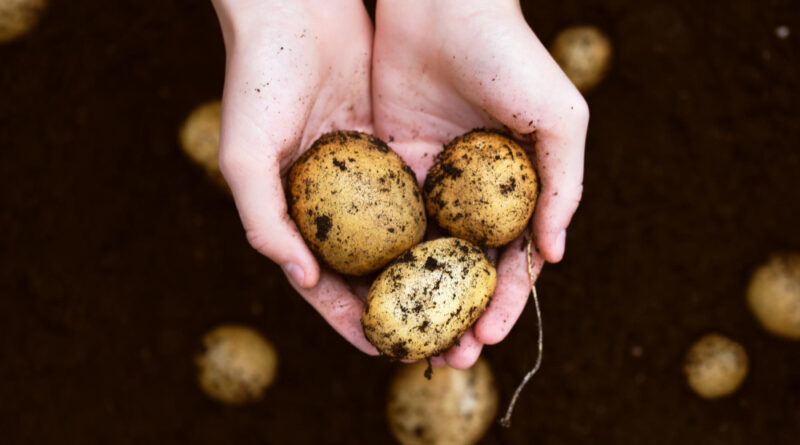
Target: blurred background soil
117 253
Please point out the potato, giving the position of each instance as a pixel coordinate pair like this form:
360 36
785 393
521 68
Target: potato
584 53
199 136
427 298
715 366
455 407
482 188
356 203
774 295
237 364
17 17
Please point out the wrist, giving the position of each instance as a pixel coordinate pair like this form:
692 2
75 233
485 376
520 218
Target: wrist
236 17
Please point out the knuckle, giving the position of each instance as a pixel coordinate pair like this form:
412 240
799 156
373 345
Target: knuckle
577 108
260 242
231 162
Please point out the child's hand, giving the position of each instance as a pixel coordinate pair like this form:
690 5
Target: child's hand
441 68
294 70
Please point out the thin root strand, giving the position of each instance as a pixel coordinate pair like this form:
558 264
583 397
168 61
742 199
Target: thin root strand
506 420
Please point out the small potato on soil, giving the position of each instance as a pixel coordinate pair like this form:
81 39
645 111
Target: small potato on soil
715 366
355 201
199 136
483 188
584 53
454 407
427 298
237 364
774 295
17 17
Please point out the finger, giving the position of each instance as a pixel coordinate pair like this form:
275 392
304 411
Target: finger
465 352
511 294
536 100
337 304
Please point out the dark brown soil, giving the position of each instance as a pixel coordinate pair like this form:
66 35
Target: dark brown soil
117 254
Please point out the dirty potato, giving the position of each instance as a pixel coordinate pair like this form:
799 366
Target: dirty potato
356 203
715 366
427 298
483 188
774 295
237 364
199 136
584 53
454 407
17 17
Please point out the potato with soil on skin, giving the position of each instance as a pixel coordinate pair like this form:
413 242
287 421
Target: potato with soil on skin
774 295
483 188
356 203
584 53
18 17
237 364
427 298
199 136
715 366
453 407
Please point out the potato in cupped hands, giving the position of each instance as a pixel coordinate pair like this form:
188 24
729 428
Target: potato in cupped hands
483 188
356 202
427 298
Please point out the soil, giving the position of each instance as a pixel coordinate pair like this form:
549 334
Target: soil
118 254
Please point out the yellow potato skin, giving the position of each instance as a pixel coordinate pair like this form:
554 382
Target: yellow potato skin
18 17
715 366
483 188
356 202
199 137
237 365
454 407
584 53
423 302
774 295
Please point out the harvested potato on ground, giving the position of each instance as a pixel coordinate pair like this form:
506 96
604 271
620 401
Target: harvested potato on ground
355 201
199 137
584 53
237 364
774 295
715 366
482 188
17 17
427 298
454 407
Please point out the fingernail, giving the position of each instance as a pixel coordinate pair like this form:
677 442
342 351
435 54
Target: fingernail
561 243
295 273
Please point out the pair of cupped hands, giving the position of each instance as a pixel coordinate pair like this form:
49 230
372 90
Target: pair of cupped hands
429 70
